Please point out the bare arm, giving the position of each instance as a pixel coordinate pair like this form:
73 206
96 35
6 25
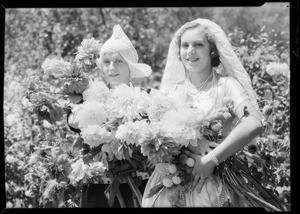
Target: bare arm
249 128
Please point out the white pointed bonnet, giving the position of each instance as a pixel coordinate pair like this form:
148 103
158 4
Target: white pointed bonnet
120 43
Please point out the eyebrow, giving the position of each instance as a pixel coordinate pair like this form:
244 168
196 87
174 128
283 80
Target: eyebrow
113 58
201 41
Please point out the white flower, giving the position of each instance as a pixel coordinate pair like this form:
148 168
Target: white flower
46 124
11 159
172 169
9 205
33 159
12 119
26 103
176 180
94 135
56 67
181 125
97 167
190 162
167 182
127 102
90 113
90 48
80 172
96 91
131 132
274 69
160 105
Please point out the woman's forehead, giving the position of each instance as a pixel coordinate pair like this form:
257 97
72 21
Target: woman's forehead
194 34
111 54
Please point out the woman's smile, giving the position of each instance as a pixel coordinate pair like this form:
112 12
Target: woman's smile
190 59
113 75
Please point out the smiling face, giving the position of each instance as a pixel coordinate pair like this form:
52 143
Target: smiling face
115 68
195 50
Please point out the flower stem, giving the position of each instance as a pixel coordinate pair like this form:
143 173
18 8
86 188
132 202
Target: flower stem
134 189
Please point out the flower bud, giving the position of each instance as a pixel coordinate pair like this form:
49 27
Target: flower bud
167 182
267 110
172 169
176 180
190 162
216 127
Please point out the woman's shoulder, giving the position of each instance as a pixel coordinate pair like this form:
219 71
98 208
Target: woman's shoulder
228 81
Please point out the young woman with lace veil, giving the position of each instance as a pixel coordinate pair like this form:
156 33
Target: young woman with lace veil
118 64
202 69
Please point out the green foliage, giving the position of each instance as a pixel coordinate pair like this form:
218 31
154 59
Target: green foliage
34 175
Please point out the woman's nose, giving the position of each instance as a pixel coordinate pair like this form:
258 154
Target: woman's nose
191 50
111 68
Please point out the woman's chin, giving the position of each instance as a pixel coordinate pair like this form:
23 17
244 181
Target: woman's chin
193 69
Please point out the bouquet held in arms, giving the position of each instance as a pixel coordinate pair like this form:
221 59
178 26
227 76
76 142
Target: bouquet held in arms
61 83
238 171
102 118
97 156
173 126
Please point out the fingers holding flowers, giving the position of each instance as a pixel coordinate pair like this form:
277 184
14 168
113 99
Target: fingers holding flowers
201 170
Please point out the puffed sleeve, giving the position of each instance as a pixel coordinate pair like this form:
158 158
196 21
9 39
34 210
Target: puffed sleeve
235 91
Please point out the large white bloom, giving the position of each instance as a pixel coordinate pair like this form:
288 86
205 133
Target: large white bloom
12 119
131 132
181 125
160 105
80 172
94 135
274 69
89 48
56 67
96 91
90 113
97 167
127 102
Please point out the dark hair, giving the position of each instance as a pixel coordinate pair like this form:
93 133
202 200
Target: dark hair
215 58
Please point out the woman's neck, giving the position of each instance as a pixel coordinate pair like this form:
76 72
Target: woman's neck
200 77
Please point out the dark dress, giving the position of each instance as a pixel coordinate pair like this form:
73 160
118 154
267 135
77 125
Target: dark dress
93 195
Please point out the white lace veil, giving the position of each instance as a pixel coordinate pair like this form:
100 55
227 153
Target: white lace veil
230 64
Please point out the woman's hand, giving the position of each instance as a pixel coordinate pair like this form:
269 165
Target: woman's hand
202 170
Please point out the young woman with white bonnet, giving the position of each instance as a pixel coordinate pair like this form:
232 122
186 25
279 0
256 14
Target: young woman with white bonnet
119 60
118 64
202 69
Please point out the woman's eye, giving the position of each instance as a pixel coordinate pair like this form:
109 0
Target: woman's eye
105 62
184 45
119 61
198 44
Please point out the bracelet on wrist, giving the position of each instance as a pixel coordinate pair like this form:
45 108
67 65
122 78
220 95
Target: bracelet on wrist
215 160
